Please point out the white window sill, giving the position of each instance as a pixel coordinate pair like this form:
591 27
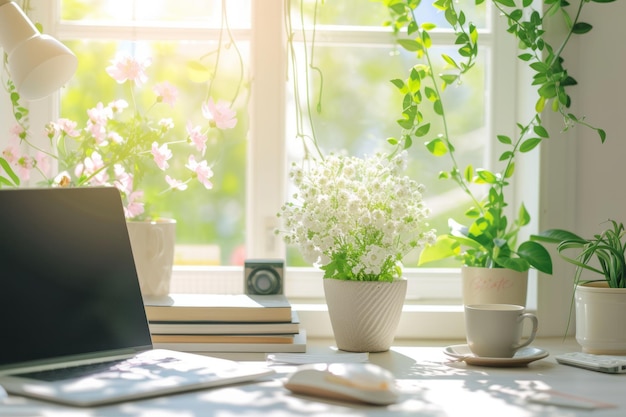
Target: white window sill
424 317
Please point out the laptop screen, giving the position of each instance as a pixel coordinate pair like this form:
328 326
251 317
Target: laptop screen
68 282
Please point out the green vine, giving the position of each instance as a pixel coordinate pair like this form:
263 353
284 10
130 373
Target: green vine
490 240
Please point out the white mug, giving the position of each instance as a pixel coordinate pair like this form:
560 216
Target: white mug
153 250
495 330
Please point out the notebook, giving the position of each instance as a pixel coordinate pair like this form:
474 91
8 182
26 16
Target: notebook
70 296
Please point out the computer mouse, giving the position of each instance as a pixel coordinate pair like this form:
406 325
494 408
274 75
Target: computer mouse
355 382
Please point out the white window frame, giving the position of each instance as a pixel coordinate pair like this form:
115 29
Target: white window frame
433 308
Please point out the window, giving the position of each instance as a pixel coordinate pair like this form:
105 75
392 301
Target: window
359 108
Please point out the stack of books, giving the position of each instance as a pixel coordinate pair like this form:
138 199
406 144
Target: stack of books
225 323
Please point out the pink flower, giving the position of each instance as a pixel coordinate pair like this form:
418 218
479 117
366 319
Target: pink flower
16 130
161 155
92 165
100 114
118 106
123 180
220 114
166 124
202 170
12 152
127 68
134 207
166 93
43 163
197 138
175 184
66 125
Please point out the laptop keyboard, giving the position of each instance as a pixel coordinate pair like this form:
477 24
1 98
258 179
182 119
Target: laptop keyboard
92 369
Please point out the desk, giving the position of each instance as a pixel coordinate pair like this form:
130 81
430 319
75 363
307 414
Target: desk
430 385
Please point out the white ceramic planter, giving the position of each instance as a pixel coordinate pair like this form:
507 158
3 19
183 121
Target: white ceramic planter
153 250
494 286
600 324
364 314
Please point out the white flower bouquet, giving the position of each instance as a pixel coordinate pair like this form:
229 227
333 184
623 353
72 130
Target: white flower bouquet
356 218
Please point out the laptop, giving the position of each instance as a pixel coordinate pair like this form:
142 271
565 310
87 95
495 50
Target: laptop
72 319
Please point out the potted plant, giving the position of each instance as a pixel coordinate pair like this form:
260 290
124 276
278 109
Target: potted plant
125 143
489 238
601 300
356 218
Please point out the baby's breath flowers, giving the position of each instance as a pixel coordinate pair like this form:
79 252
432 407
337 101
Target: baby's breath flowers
356 218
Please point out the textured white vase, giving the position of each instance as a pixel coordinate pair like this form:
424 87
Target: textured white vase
364 314
600 324
494 286
153 243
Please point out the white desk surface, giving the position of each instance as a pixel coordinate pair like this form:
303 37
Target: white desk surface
430 385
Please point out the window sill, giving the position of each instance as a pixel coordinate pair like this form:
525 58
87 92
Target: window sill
436 315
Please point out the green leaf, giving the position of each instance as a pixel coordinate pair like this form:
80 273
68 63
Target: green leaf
398 83
581 28
438 107
487 176
523 217
529 144
516 264
437 147
468 173
505 139
506 155
541 131
410 45
422 130
510 170
449 60
426 39
449 78
536 255
431 94
428 26
507 3
9 171
443 248
556 236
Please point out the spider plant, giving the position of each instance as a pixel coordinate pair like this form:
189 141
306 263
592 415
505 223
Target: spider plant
603 254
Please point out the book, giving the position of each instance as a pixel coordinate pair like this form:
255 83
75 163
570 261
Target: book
297 346
222 338
219 307
205 327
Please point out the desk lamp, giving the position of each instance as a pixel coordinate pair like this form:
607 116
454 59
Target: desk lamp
38 64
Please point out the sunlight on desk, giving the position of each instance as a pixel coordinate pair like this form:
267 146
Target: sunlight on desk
430 384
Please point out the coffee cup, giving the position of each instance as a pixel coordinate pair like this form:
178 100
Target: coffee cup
495 330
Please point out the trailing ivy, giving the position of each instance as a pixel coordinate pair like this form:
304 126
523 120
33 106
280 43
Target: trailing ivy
490 240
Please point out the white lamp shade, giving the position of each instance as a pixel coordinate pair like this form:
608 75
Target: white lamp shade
38 64
41 65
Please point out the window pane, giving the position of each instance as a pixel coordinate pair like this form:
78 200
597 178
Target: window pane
359 108
374 13
207 12
211 218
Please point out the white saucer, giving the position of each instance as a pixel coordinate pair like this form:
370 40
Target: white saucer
522 357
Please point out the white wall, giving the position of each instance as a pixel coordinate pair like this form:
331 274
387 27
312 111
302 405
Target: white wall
581 180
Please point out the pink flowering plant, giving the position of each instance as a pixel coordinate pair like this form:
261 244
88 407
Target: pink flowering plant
121 143
356 218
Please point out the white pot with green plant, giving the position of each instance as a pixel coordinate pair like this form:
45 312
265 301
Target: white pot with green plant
490 236
356 219
599 303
